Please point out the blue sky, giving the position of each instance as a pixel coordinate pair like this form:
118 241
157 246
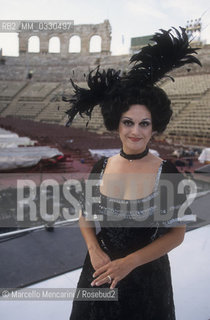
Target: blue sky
128 18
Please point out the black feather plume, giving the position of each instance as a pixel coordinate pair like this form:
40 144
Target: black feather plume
101 85
171 50
153 62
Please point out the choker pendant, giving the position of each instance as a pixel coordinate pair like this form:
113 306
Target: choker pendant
132 157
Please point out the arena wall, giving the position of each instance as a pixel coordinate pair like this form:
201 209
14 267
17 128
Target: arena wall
31 85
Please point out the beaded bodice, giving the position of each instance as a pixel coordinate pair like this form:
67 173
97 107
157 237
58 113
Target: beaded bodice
127 225
128 209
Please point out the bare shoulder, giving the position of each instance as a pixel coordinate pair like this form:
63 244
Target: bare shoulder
112 160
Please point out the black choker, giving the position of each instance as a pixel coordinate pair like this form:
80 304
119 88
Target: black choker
134 156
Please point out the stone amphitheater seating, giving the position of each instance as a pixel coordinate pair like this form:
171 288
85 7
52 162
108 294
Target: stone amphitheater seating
190 96
193 119
40 100
38 91
53 68
178 106
3 106
188 85
9 89
29 110
54 112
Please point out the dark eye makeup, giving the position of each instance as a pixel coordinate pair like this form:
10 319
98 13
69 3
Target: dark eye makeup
143 123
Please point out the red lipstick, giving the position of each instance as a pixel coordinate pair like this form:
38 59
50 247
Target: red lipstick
134 139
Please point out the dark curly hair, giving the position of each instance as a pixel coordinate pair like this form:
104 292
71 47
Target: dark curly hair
154 98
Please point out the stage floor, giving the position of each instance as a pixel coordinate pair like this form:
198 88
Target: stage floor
191 282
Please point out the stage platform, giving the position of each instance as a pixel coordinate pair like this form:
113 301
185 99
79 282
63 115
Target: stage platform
191 283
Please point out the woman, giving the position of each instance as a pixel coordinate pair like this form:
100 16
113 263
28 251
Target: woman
130 251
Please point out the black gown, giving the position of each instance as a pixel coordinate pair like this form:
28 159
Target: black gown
146 292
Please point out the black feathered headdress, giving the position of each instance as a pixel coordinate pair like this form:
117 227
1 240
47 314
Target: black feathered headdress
171 50
101 85
153 62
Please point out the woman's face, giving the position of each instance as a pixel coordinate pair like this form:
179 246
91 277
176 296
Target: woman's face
135 129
